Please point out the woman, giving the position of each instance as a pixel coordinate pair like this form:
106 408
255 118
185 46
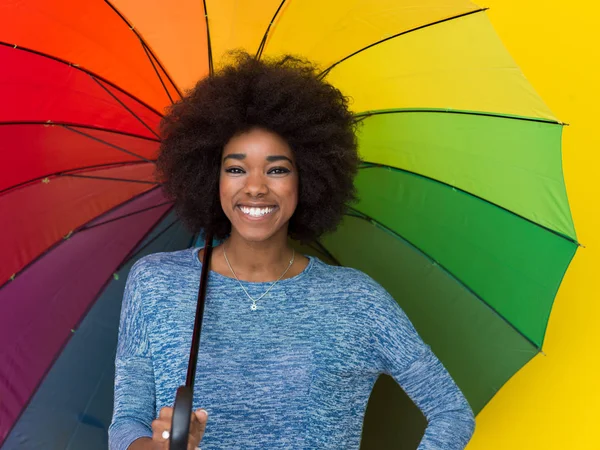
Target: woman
290 347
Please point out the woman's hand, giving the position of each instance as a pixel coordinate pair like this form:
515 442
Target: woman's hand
163 423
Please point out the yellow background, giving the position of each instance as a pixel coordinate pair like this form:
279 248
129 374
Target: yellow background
554 401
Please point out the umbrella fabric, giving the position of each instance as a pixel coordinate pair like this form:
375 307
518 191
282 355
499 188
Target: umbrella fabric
72 407
463 213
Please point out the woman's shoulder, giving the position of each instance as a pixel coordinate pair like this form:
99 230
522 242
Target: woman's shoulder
354 291
350 280
157 264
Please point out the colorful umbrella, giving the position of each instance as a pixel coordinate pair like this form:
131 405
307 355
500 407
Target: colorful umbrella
463 214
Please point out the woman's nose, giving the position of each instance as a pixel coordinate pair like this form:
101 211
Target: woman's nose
256 185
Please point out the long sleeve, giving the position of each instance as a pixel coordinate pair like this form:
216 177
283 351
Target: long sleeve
134 397
404 356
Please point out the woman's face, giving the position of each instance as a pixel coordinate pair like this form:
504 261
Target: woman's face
258 184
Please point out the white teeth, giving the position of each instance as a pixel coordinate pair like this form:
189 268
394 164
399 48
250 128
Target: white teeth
256 212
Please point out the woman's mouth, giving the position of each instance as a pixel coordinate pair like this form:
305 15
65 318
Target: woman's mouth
253 212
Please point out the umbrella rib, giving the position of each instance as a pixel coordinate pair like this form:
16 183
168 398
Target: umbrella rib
148 51
151 59
420 27
89 227
208 43
76 230
89 72
83 315
323 249
370 165
261 47
129 110
57 174
102 141
353 212
135 252
126 180
50 123
366 114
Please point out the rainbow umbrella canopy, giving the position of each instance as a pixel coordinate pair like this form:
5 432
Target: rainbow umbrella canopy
463 214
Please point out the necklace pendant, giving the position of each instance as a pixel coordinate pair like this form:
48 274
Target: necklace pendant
253 306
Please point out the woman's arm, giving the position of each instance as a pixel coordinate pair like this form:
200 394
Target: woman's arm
449 416
134 401
405 357
142 443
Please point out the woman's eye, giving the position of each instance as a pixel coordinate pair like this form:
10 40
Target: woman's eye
278 170
234 170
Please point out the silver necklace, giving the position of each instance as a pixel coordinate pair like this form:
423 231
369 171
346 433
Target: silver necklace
253 307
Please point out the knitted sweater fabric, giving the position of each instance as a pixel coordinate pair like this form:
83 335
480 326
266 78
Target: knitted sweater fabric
296 373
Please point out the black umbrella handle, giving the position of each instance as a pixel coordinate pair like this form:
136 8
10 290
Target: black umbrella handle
180 425
182 409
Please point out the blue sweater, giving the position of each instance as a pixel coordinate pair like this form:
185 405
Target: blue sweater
294 374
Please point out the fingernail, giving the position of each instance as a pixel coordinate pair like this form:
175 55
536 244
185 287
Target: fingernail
204 411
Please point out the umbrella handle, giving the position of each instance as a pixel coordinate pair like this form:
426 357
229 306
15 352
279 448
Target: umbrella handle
182 409
180 425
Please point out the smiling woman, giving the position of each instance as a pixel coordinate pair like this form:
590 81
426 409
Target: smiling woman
257 153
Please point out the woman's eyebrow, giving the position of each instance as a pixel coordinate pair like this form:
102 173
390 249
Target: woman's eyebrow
279 158
238 156
271 158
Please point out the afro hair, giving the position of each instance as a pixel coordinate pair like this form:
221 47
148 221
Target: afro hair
286 96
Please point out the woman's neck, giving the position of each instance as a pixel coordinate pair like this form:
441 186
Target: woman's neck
254 261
